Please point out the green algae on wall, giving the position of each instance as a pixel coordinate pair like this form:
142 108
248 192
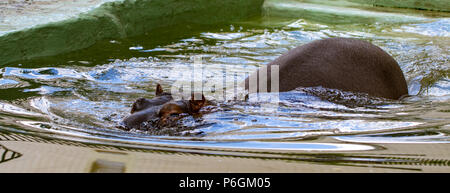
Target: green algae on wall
332 13
437 5
119 19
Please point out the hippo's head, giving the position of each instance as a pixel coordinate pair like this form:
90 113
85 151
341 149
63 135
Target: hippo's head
161 110
173 110
143 103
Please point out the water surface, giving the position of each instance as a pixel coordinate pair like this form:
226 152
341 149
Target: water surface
82 95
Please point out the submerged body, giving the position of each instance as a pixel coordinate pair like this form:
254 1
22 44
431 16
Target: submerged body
135 120
337 63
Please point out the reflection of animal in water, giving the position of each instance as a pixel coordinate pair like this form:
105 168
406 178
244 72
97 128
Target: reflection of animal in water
336 63
162 109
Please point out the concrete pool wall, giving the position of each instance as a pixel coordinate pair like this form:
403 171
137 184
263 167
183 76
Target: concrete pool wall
435 5
118 19
80 27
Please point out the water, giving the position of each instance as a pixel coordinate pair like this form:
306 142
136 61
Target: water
81 96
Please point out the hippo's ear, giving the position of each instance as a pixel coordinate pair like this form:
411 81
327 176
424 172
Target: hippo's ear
196 105
159 90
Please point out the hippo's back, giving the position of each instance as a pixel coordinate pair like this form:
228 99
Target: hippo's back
340 63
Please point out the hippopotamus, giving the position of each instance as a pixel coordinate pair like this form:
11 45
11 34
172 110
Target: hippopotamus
161 108
337 63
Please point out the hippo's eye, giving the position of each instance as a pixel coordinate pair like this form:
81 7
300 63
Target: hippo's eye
174 114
